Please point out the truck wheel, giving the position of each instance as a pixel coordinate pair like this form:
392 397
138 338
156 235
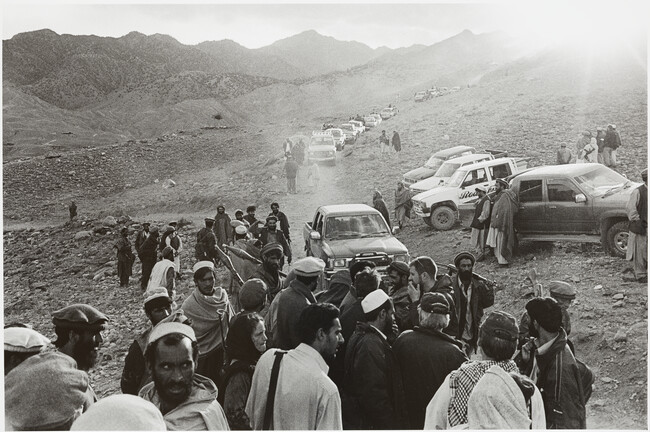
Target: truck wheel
617 236
443 218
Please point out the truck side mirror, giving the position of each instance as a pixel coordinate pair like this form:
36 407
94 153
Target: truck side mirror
580 198
314 235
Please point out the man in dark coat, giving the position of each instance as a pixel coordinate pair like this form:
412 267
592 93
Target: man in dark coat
471 296
501 235
205 248
291 169
481 222
148 253
269 270
426 356
398 273
294 299
380 205
125 257
373 396
397 143
282 220
564 398
143 234
221 227
271 234
611 142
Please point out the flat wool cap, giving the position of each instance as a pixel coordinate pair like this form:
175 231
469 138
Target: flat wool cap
434 302
462 256
271 247
501 325
156 293
121 412
24 340
79 316
562 290
309 267
374 300
201 264
45 392
166 328
400 267
252 293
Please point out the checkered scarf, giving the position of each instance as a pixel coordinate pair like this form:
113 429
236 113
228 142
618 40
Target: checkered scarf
462 382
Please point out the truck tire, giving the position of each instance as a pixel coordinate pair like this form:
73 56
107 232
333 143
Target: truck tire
617 236
443 218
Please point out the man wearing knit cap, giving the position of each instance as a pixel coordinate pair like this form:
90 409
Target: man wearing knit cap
157 306
426 356
20 344
206 241
637 244
398 273
210 311
46 392
548 357
78 329
501 235
187 400
374 397
269 270
163 273
272 234
252 296
148 253
294 299
305 398
497 342
471 297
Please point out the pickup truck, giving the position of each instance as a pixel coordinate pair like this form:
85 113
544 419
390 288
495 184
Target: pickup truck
321 148
434 162
446 170
340 233
421 96
339 138
577 203
439 207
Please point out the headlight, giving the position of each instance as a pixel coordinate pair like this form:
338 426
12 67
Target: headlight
402 258
337 262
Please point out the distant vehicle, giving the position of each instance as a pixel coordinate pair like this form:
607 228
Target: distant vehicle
421 96
358 126
370 121
321 147
439 207
377 117
349 127
574 203
387 113
446 170
455 89
327 126
435 161
339 138
340 233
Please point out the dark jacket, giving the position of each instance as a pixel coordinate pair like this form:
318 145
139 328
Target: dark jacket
136 374
380 205
290 304
284 224
149 249
264 238
205 245
273 282
482 297
373 396
349 319
444 286
222 229
612 139
477 212
140 238
425 357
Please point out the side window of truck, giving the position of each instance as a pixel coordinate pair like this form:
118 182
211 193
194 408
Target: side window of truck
530 191
500 171
475 177
560 191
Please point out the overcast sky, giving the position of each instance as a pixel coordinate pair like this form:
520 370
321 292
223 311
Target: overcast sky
392 25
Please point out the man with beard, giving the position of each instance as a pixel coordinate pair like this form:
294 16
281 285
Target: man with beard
294 299
148 253
471 296
269 270
187 400
125 257
205 249
398 273
157 306
282 219
271 234
306 398
254 228
222 228
163 273
78 330
426 355
481 222
501 235
373 393
210 311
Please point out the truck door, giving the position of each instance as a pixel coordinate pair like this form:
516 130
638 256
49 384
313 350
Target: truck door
316 246
564 214
473 179
531 217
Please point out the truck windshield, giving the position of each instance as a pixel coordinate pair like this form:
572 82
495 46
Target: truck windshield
447 169
355 226
321 140
601 180
434 163
457 178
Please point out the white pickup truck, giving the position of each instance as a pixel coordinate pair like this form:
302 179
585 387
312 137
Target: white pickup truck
439 207
322 147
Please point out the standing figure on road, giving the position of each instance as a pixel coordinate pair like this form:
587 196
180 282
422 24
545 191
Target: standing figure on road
206 241
397 143
402 204
600 142
282 219
481 222
291 169
563 155
589 153
637 244
73 210
148 253
125 257
163 274
501 235
612 142
313 174
384 143
583 141
380 205
222 228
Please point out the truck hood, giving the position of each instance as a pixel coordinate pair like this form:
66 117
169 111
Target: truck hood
322 148
348 248
419 174
422 196
429 183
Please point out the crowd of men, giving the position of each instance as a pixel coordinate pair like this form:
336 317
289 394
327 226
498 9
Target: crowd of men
600 148
407 350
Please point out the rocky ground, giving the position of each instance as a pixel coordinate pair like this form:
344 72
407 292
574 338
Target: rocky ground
49 263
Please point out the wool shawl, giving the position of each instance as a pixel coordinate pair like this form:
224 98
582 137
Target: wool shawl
210 316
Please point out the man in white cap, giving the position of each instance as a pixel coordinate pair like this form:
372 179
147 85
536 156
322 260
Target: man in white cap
157 306
294 299
481 222
164 273
373 382
210 311
501 235
187 400
301 397
20 344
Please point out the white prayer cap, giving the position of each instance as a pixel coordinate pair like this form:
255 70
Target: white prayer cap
154 293
166 328
24 340
201 264
374 300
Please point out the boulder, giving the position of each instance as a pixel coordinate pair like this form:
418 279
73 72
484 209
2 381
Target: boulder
83 235
169 183
109 221
620 336
618 296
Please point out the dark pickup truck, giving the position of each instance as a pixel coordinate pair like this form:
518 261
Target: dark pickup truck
580 203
